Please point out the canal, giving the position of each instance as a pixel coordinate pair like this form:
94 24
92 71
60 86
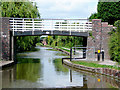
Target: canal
44 69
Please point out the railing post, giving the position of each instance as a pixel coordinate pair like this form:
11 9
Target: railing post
83 27
52 27
74 50
42 24
70 27
23 24
13 26
71 54
33 26
75 26
67 26
102 55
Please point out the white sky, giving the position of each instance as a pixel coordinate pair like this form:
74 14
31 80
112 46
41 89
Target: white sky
62 9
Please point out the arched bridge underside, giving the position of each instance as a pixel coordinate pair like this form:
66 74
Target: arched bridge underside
69 27
12 27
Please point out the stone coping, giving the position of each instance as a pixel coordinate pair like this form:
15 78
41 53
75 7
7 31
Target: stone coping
104 71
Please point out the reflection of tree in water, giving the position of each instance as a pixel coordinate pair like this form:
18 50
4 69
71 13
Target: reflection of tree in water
29 71
28 60
59 67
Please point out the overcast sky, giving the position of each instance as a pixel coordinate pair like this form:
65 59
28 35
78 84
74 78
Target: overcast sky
63 9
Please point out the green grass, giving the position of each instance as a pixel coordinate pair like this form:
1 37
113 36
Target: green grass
40 44
51 49
95 64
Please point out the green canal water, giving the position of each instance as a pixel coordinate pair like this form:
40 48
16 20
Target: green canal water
44 69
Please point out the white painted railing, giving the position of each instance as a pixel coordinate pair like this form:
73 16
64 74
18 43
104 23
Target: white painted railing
29 24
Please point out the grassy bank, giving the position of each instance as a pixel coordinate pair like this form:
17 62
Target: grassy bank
63 48
94 64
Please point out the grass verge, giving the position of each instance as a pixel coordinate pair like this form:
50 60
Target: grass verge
94 64
62 48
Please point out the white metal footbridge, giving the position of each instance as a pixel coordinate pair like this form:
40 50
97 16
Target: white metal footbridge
35 26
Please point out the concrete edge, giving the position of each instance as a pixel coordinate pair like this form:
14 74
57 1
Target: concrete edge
7 64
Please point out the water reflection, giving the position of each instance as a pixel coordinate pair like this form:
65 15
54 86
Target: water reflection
48 72
59 67
28 60
28 71
92 80
8 76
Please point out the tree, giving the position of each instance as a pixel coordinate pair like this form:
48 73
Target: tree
21 10
109 11
115 43
93 16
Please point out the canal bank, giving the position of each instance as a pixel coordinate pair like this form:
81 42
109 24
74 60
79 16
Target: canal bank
104 71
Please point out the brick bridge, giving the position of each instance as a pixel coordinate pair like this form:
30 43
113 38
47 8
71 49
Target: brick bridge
12 27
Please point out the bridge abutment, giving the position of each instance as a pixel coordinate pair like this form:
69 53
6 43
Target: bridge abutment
6 40
100 36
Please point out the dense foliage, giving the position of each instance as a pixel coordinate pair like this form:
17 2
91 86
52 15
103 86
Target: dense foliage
107 11
64 41
94 16
26 43
115 43
21 10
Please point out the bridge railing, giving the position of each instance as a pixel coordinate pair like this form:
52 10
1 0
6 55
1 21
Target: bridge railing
29 24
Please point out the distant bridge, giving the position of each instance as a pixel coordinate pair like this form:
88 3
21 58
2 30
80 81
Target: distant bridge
34 26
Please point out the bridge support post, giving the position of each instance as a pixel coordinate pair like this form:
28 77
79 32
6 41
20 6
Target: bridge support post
71 54
12 47
0 39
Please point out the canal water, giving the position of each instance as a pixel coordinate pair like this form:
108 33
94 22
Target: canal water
44 69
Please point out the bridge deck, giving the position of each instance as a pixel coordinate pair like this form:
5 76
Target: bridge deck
29 26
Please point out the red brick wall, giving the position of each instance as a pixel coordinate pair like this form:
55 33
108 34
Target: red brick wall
101 36
5 39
